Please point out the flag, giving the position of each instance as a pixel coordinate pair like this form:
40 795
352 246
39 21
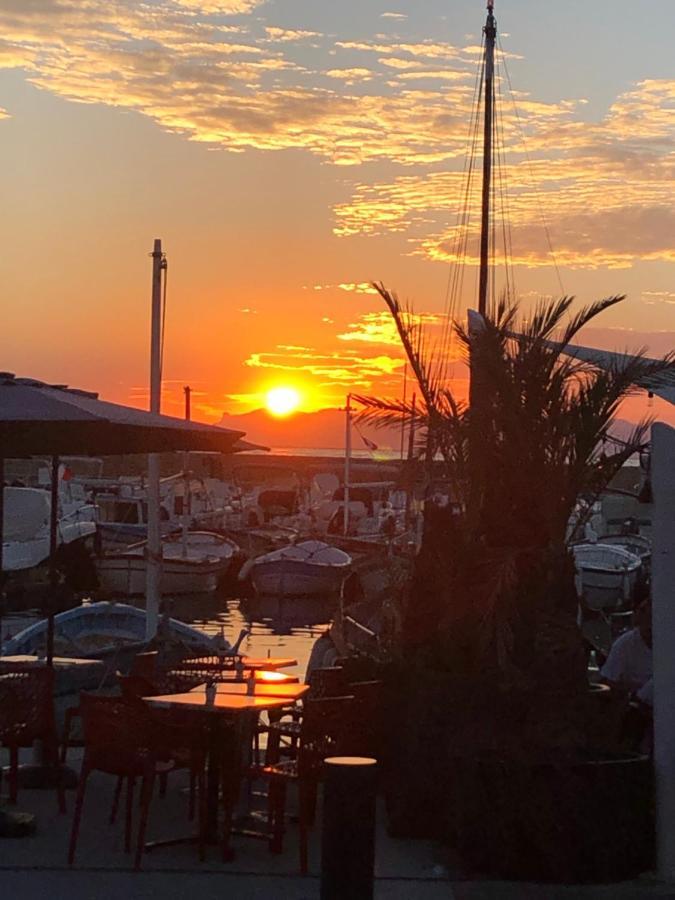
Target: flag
371 445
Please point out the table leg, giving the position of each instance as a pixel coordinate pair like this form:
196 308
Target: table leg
214 765
231 768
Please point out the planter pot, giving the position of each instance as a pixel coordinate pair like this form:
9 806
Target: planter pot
583 819
575 822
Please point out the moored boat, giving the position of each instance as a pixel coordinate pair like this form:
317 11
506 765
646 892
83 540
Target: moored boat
96 630
310 568
26 531
192 564
607 574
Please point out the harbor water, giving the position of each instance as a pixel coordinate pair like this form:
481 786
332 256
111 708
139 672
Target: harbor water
284 627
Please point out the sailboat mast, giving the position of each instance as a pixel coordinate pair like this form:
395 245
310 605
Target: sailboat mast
490 31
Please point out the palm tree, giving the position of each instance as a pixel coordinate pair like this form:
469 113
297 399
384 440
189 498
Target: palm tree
493 589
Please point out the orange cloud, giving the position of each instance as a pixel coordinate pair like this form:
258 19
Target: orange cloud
344 369
380 328
607 187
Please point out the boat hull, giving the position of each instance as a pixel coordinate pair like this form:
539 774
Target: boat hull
127 576
97 629
294 578
605 588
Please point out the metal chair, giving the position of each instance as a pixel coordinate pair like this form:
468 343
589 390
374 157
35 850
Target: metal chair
324 682
26 716
322 732
124 739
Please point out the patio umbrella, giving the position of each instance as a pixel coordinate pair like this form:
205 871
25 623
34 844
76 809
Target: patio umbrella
38 419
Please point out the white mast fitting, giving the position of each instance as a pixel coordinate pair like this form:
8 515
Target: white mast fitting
154 545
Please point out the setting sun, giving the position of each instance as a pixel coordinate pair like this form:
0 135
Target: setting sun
282 401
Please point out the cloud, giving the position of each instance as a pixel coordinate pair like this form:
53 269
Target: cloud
345 369
651 297
351 75
225 7
284 34
362 287
380 328
393 15
185 65
210 71
606 190
350 287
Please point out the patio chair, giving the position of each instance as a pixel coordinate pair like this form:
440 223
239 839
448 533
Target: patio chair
324 682
125 739
134 688
135 685
321 734
26 716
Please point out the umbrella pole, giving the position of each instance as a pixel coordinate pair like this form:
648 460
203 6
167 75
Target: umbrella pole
42 774
53 572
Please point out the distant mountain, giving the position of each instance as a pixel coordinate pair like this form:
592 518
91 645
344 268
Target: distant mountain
325 430
322 430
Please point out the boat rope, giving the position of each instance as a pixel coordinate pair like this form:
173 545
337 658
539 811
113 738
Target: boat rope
502 180
459 248
533 183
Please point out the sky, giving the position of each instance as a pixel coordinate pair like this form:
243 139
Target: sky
290 152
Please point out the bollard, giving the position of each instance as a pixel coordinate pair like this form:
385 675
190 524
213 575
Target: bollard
348 837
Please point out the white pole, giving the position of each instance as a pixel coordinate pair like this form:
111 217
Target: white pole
348 457
663 618
186 477
154 546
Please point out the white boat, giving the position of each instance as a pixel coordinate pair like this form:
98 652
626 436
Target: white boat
194 564
307 569
606 574
97 629
26 529
123 508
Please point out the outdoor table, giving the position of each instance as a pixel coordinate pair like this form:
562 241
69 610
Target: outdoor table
251 662
72 674
226 706
289 692
59 662
228 663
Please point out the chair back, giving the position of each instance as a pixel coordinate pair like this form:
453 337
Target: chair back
135 686
26 705
173 681
145 664
322 730
118 734
327 682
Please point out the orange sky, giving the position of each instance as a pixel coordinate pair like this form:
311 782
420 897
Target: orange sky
289 152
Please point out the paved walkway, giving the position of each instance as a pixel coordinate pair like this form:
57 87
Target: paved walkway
35 868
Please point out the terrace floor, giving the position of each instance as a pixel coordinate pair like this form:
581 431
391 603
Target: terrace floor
35 868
